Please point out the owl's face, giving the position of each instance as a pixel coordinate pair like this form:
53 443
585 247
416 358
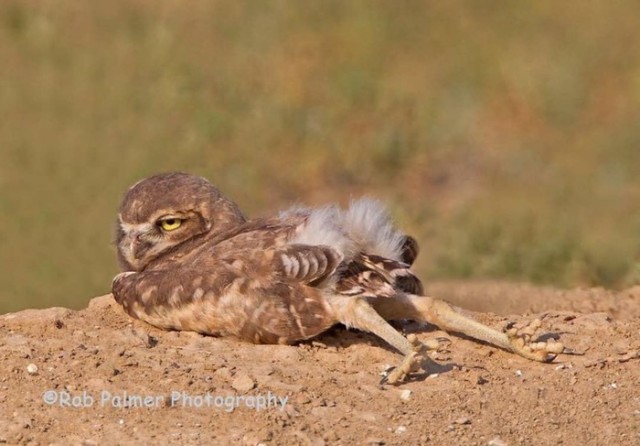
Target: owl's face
164 211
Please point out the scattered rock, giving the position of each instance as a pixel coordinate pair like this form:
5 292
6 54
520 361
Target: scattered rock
629 356
400 430
243 383
223 373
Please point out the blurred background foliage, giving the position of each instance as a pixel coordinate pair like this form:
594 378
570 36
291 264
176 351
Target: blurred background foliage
504 135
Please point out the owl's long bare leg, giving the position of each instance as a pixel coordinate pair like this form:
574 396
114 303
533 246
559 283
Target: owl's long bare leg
358 313
448 318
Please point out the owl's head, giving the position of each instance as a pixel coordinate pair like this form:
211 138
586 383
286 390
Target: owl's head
163 211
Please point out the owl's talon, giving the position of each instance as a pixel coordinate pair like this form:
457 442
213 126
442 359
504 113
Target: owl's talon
410 363
414 361
522 342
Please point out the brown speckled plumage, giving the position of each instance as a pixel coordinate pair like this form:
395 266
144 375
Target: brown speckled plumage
192 261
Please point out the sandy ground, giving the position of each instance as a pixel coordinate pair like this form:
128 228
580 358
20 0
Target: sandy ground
96 377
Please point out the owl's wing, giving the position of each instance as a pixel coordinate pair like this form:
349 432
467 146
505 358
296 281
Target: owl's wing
310 265
260 295
373 276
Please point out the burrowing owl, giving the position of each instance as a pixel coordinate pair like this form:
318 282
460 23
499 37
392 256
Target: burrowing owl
192 261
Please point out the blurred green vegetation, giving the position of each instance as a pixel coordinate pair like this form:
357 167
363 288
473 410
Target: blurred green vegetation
505 135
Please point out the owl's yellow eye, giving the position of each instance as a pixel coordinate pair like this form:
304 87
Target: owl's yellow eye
170 224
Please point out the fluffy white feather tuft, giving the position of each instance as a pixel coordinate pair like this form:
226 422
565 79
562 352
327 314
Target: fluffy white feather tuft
365 226
324 227
369 225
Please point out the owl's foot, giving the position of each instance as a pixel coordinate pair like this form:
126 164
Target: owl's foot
416 359
523 343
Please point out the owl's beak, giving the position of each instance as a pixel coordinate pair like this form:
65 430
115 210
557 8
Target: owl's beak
131 246
136 240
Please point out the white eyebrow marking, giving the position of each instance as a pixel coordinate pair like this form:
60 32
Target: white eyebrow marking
134 227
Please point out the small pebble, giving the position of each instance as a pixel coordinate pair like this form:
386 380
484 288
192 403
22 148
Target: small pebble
400 430
481 380
405 395
243 383
463 420
32 369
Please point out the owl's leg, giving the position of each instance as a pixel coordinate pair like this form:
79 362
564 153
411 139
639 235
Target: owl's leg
448 318
358 313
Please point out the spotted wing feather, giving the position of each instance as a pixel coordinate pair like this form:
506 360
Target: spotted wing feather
373 276
308 264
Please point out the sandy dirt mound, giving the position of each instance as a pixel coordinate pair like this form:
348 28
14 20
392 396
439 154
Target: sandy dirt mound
97 377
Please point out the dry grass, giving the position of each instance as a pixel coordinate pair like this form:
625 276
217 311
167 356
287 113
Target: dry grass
505 137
